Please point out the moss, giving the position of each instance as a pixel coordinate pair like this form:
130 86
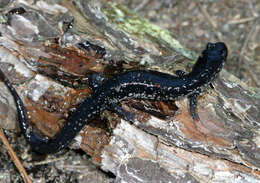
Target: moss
133 24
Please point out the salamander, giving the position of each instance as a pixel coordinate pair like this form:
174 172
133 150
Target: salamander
133 84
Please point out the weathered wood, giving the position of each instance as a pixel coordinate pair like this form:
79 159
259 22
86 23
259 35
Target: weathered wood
165 144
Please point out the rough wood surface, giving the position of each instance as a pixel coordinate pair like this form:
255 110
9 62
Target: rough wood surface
51 74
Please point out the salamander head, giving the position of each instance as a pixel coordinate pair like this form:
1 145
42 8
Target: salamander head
212 60
216 54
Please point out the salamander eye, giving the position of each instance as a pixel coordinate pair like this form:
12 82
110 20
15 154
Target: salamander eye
223 53
210 46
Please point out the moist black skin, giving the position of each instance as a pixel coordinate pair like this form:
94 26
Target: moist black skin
136 84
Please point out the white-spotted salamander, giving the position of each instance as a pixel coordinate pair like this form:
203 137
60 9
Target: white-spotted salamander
137 84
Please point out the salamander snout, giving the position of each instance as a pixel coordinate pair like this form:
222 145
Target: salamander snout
218 49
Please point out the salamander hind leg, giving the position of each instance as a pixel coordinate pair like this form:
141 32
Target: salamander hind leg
126 115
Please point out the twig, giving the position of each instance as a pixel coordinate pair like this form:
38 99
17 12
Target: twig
209 19
245 45
207 16
48 161
242 20
15 159
254 79
141 5
252 8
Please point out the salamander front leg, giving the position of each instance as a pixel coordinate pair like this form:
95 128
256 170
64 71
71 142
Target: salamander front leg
180 73
193 104
96 81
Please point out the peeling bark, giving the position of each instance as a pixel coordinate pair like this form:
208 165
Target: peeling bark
165 144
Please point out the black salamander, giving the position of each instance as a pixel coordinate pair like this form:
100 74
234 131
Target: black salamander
137 84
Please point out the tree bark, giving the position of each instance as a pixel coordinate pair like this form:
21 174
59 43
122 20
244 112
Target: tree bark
40 55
